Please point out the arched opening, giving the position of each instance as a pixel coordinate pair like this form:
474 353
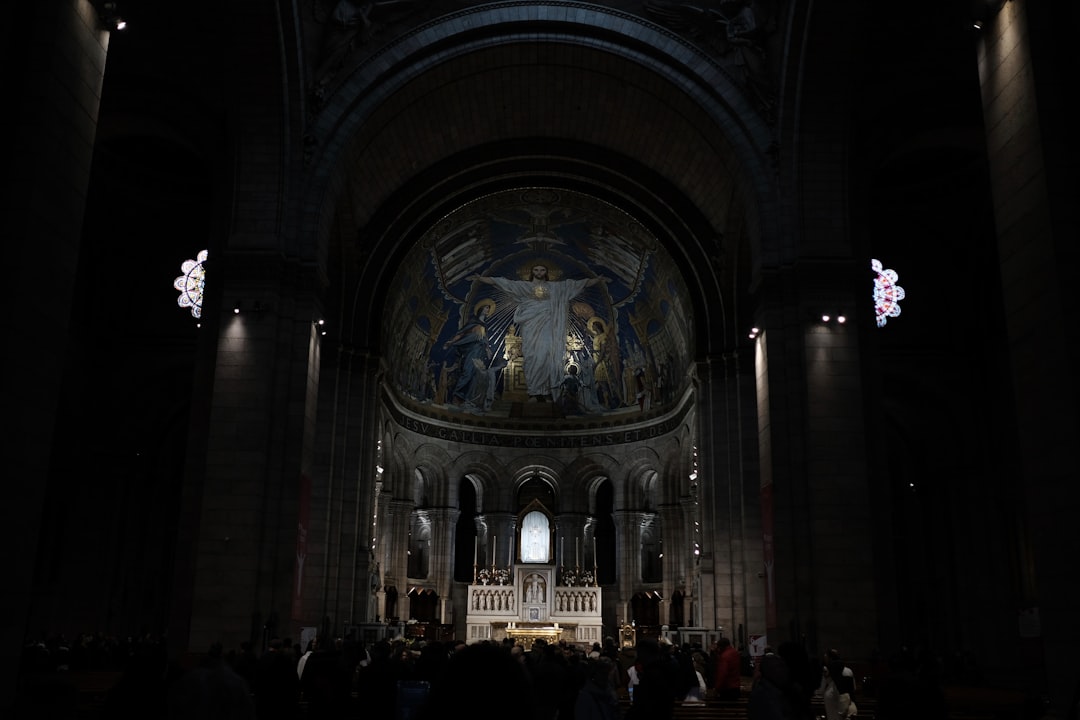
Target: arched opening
645 609
536 539
605 533
652 550
676 611
423 605
466 543
392 604
419 545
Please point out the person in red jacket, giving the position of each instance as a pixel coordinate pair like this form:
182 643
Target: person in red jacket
728 671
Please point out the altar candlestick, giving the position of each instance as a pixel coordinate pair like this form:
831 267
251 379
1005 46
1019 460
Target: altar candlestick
594 551
476 550
577 552
494 542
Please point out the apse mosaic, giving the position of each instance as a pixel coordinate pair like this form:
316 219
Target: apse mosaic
539 296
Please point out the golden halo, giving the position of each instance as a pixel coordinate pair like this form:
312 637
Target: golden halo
485 302
525 271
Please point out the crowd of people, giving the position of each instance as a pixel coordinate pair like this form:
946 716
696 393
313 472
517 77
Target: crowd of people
401 679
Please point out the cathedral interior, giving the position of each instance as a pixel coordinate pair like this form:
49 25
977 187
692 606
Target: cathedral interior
799 365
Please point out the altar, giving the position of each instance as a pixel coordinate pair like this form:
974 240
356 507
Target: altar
535 601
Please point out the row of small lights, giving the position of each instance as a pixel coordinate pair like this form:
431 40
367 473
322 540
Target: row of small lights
320 324
825 318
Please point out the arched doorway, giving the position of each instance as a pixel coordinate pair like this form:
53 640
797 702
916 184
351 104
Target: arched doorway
645 609
424 605
676 613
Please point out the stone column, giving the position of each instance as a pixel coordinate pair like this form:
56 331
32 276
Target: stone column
55 65
673 564
627 557
397 543
1025 62
728 495
815 488
441 565
346 491
256 461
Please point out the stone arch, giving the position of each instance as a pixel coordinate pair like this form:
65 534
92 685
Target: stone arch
427 475
733 143
637 468
485 474
670 474
586 472
546 468
594 463
651 490
420 486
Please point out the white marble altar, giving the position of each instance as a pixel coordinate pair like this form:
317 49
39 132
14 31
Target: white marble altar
531 604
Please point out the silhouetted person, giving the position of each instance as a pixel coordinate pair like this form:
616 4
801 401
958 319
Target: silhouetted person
836 700
551 679
610 649
728 682
479 676
910 689
432 657
327 682
141 690
211 691
803 678
654 695
597 699
245 663
277 688
376 682
771 697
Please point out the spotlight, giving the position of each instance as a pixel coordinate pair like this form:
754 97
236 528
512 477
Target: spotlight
841 319
236 308
109 14
825 318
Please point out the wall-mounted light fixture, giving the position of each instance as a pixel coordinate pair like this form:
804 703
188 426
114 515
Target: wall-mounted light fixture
984 10
320 326
254 308
109 14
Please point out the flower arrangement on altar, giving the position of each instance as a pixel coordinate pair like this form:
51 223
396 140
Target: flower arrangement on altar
576 578
496 576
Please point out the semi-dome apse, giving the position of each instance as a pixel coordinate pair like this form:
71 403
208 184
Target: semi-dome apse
454 333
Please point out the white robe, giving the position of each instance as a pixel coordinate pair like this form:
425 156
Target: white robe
541 315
